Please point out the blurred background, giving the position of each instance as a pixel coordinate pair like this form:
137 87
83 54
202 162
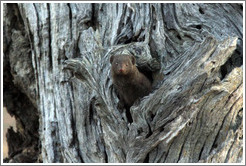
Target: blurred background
7 122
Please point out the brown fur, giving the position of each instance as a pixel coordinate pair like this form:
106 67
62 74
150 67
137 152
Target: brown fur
128 81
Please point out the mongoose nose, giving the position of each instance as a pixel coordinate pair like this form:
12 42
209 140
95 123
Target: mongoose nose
121 70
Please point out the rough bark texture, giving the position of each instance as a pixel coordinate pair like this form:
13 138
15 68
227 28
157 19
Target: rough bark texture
57 82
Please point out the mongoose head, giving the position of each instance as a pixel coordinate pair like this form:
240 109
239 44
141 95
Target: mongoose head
122 64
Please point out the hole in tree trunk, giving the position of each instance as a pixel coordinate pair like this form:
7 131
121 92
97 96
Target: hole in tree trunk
128 115
235 60
198 27
146 160
201 11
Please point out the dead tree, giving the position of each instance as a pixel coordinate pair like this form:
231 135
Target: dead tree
57 82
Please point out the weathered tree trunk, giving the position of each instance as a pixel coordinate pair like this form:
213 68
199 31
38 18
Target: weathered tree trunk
57 78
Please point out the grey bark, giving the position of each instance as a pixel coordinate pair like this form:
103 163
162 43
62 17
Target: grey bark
57 57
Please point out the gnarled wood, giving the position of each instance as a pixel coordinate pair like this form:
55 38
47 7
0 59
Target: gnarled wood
192 52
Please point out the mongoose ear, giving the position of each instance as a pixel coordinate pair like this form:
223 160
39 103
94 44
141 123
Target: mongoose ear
133 60
111 59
